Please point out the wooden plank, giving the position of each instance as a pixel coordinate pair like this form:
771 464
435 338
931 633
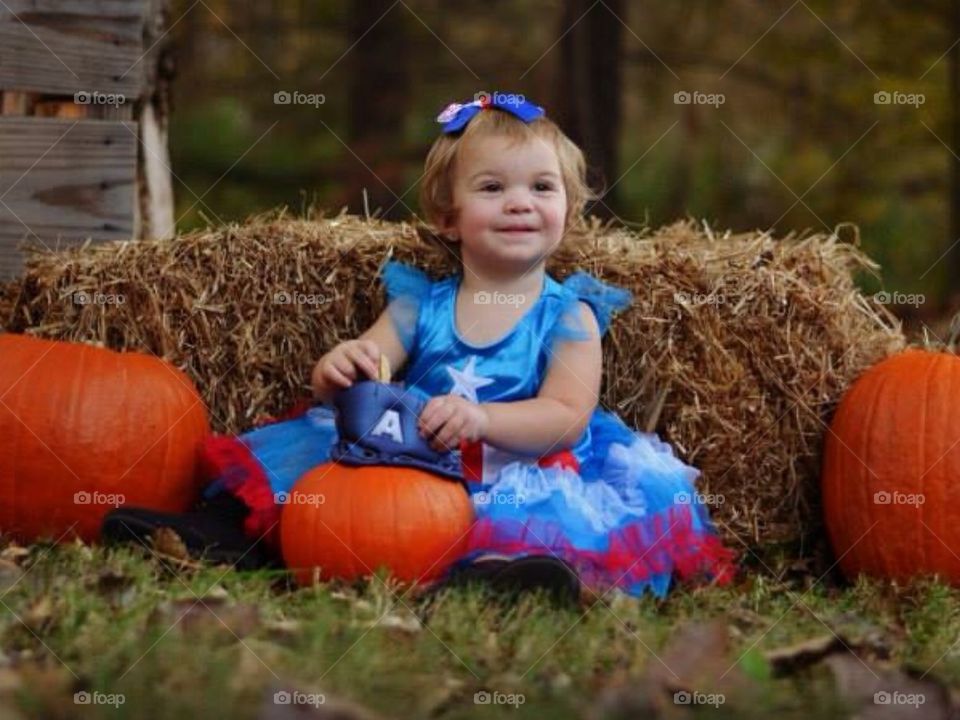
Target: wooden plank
62 181
59 109
66 46
13 102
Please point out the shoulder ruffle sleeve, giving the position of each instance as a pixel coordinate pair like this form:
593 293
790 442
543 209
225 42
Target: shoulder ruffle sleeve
603 299
407 287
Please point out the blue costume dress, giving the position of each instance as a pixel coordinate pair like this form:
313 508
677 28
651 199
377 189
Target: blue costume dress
619 506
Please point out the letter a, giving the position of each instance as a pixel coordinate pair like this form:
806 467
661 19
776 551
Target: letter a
389 425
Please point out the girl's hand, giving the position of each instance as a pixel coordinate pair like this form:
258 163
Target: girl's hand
448 419
342 365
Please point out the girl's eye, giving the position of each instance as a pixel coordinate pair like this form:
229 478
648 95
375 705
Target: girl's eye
544 186
490 187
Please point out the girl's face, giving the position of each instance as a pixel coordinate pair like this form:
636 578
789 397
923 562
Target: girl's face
509 201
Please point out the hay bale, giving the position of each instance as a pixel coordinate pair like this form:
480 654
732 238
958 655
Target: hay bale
7 301
736 349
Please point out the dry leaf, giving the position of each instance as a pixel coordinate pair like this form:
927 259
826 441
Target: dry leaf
802 654
15 553
165 541
190 616
696 667
39 615
284 702
396 621
881 693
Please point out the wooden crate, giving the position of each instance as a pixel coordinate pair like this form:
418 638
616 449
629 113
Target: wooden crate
77 77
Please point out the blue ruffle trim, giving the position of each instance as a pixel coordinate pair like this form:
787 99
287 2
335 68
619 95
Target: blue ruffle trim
644 496
288 449
644 475
603 299
406 287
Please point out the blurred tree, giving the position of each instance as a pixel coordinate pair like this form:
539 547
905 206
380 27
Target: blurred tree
799 118
378 101
953 78
589 88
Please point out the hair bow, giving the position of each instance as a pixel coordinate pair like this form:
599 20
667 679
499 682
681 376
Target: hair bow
456 115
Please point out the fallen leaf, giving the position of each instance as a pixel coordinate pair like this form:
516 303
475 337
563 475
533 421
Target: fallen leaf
284 702
192 616
791 658
396 621
697 657
15 553
39 615
886 693
284 631
695 668
165 541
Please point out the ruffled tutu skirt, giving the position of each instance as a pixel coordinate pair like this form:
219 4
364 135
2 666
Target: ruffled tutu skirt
630 518
627 517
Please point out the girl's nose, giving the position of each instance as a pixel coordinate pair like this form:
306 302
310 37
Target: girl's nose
518 202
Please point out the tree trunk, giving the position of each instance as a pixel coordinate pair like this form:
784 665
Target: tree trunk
953 74
588 102
154 208
379 88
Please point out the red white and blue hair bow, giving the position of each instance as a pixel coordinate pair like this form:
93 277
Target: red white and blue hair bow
456 115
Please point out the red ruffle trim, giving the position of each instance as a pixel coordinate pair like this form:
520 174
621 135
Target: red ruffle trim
663 544
229 460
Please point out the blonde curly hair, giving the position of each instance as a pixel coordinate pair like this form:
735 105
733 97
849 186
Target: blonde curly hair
436 189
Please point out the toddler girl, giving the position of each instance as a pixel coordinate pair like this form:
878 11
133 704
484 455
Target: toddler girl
564 491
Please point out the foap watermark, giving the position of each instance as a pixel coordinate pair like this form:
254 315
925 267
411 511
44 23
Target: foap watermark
98 698
483 697
295 297
298 498
487 498
895 97
685 697
683 97
687 498
483 297
898 298
685 298
498 98
285 97
295 697
898 498
882 697
97 298
95 97
96 497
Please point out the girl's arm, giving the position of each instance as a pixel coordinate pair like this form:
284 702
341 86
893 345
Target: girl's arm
557 417
384 336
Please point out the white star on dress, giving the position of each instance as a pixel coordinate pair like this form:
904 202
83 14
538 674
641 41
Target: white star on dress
466 382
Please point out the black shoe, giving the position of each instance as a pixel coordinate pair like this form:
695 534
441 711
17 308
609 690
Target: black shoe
527 574
213 531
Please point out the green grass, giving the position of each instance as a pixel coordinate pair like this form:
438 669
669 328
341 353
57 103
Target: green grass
102 620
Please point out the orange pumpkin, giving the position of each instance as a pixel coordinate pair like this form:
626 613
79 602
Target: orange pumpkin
350 521
83 429
891 473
